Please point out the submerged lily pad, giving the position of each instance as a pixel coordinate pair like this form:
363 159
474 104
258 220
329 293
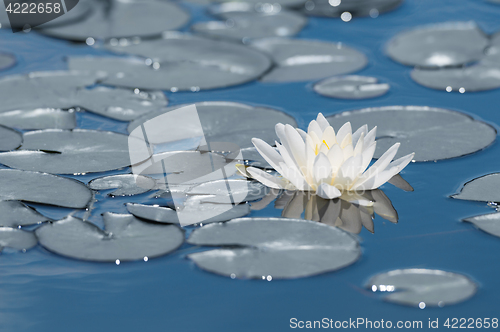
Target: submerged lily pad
274 248
432 133
490 223
7 60
43 188
423 287
351 87
303 60
9 139
69 152
194 211
355 7
479 77
439 45
485 188
223 122
253 25
15 213
120 18
125 238
40 118
17 239
127 184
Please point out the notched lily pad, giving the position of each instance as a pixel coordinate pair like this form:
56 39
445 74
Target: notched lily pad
69 151
15 213
40 118
423 287
432 133
440 45
17 239
485 188
276 248
351 87
43 188
302 60
125 238
490 223
127 184
9 139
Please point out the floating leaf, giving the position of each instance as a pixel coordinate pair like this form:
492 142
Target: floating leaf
226 122
439 45
335 8
423 287
7 60
490 223
274 248
194 211
229 191
485 188
432 133
43 188
9 139
127 184
277 3
116 19
351 87
253 25
40 118
303 60
124 238
68 152
178 62
15 213
17 239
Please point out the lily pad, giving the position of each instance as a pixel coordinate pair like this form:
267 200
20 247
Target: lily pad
221 122
423 287
490 223
7 60
439 45
68 152
485 188
355 7
40 118
432 133
127 184
9 139
229 191
15 213
304 60
125 238
276 247
194 211
43 188
17 239
253 25
351 87
280 3
122 18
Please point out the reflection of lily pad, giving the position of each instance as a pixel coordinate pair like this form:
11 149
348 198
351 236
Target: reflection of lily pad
439 45
485 188
423 287
117 19
490 223
17 239
68 152
303 60
124 238
43 188
351 87
15 213
9 139
432 133
126 184
228 122
275 247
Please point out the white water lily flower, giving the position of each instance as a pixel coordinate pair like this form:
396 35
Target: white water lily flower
324 162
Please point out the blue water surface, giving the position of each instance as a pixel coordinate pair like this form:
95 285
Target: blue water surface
40 291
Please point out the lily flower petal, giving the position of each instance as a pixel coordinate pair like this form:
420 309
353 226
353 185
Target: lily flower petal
266 178
327 191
